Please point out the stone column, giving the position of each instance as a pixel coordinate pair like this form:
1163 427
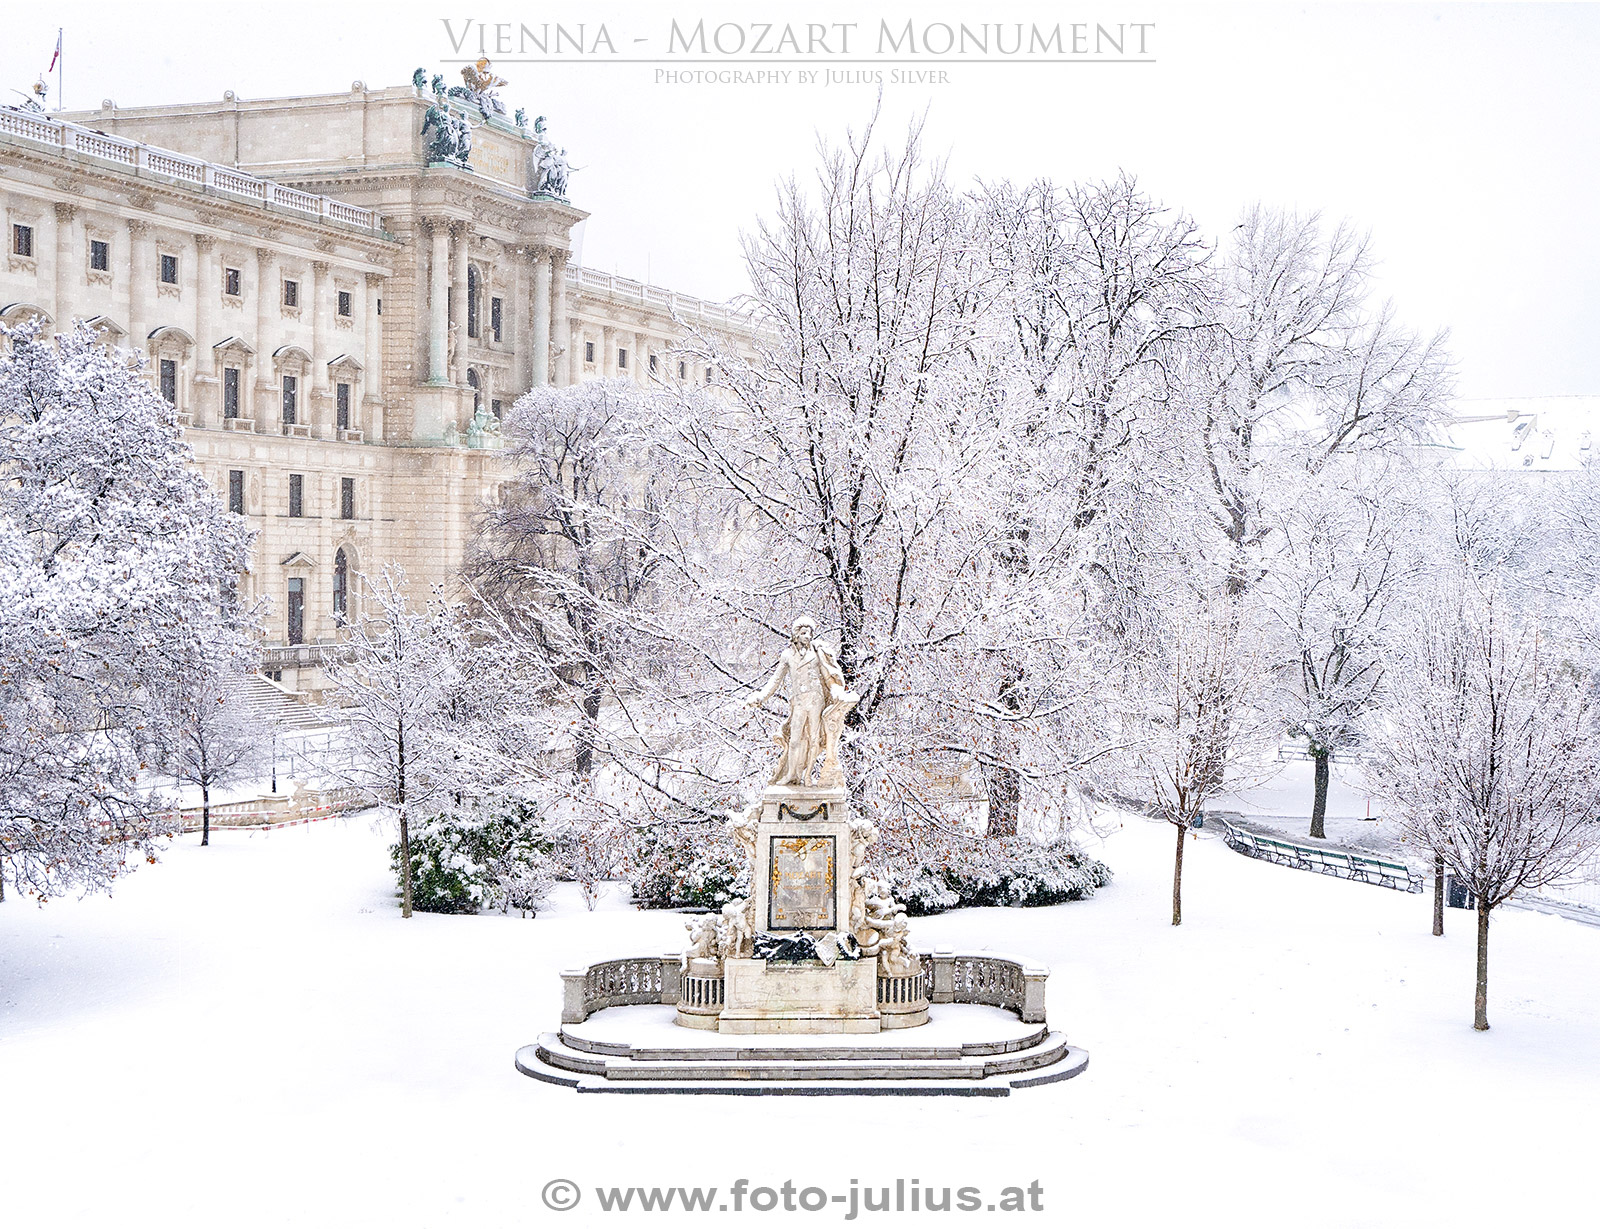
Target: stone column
67 274
608 352
640 359
206 292
559 326
517 318
541 320
463 234
372 377
267 311
574 355
140 276
438 305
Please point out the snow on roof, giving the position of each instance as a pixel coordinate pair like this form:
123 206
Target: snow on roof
1526 433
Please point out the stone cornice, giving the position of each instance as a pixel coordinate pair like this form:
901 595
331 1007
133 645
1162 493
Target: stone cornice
143 195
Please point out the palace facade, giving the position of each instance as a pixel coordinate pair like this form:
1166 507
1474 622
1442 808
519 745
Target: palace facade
339 317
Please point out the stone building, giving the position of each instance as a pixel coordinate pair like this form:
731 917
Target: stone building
339 315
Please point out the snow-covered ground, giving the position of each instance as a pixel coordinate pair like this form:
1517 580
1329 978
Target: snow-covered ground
250 1035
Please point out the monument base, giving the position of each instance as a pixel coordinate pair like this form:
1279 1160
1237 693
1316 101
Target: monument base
768 997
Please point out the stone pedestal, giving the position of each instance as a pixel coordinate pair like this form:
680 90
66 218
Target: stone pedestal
768 997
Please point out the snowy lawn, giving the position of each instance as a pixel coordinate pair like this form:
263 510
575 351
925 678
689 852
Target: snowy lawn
250 1035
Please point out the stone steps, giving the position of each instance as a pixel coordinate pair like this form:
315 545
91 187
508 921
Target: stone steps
978 1069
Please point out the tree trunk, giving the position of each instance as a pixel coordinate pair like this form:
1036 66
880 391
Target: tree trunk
2 881
583 760
405 825
1438 894
1480 1000
405 865
1005 782
1177 878
1319 791
205 813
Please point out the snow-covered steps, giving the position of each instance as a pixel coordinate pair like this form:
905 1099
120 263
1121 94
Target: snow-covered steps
974 1051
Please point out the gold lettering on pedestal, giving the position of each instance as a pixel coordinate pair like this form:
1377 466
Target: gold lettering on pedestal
801 884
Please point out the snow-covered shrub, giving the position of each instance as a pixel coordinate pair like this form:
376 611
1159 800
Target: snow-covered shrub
466 860
1013 871
676 865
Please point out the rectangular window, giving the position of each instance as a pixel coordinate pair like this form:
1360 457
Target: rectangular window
495 406
588 351
683 371
622 359
22 240
341 406
297 494
232 282
291 398
496 310
380 307
230 392
297 610
169 269
652 364
99 255
347 498
291 294
236 491
344 303
169 380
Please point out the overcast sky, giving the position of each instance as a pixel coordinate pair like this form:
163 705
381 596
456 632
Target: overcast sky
1462 136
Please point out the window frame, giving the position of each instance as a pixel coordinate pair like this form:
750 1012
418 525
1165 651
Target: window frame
232 282
347 499
344 304
236 491
22 240
289 410
231 383
164 260
291 293
295 611
167 380
297 496
101 249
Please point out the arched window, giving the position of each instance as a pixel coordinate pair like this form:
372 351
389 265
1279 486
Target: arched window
476 386
472 301
341 586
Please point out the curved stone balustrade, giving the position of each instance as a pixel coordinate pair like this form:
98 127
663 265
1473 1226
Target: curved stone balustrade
989 978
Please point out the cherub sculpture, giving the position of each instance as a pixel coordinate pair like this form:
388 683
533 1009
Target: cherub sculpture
703 943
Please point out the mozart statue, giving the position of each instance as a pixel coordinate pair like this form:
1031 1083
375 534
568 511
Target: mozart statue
818 704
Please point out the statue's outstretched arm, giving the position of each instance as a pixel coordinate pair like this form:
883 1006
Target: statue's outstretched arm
772 684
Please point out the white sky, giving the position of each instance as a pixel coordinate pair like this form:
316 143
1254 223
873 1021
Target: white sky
1462 136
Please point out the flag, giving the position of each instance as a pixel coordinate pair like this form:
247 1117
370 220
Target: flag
57 55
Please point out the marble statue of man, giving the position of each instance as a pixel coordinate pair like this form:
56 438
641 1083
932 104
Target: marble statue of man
815 682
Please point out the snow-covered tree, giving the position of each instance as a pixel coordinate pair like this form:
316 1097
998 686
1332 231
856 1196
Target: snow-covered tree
1345 562
1201 680
394 681
565 556
209 737
117 574
1093 291
1492 749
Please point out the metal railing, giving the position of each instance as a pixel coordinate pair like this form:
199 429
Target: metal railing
1341 863
142 159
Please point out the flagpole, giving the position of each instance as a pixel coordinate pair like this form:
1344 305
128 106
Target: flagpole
61 69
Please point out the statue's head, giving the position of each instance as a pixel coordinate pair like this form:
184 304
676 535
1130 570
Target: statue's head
803 630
